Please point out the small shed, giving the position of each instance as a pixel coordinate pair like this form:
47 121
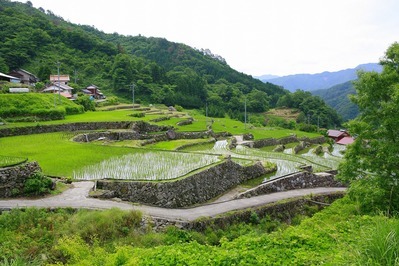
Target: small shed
19 90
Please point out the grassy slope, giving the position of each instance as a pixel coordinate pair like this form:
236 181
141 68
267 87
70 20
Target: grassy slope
31 101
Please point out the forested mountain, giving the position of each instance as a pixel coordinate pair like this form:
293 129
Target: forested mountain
325 80
163 71
338 98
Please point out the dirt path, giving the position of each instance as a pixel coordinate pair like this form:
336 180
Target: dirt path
77 197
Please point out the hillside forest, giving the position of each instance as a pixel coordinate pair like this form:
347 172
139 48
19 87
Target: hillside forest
163 72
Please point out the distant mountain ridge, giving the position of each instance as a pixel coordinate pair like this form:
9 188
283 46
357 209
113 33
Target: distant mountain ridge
338 98
320 81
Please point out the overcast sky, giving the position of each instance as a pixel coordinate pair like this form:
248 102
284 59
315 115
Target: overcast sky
257 37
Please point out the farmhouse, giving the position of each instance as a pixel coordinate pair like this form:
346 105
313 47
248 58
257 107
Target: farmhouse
24 76
94 91
336 135
62 89
59 84
340 136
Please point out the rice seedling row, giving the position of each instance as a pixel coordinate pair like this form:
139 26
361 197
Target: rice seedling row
10 160
152 166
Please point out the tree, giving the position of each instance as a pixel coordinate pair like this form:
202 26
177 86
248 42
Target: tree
372 164
122 72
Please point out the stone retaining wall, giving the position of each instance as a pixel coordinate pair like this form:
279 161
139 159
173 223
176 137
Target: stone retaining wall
12 179
293 181
273 142
197 188
133 135
281 211
138 126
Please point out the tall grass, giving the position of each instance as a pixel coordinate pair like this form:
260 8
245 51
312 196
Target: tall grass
382 245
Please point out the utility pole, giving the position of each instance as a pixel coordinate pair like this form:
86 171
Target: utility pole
318 123
206 115
59 87
75 73
132 86
245 113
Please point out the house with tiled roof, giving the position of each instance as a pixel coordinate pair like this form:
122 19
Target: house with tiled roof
59 84
340 136
62 89
345 141
336 135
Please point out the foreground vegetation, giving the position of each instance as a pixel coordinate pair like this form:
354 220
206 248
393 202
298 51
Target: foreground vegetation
338 235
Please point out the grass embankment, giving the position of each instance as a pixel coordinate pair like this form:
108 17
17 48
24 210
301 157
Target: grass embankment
36 107
338 235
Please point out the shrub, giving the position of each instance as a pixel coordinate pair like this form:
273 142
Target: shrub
178 108
50 114
71 110
105 225
38 184
373 195
86 102
141 114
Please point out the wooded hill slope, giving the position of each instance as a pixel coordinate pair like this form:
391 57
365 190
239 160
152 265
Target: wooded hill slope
163 71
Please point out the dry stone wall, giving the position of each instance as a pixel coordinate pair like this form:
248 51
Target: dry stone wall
282 211
274 142
294 181
138 126
194 189
12 179
143 135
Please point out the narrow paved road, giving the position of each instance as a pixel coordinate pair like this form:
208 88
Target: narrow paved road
77 197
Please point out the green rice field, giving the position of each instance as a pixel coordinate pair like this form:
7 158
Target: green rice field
59 156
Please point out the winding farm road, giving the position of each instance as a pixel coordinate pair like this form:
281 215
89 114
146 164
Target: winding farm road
77 197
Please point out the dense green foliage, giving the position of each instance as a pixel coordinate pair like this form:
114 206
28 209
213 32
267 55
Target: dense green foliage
163 71
372 161
313 109
36 107
338 98
37 184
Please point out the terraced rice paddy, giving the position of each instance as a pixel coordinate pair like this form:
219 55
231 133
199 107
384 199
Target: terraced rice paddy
286 161
152 166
